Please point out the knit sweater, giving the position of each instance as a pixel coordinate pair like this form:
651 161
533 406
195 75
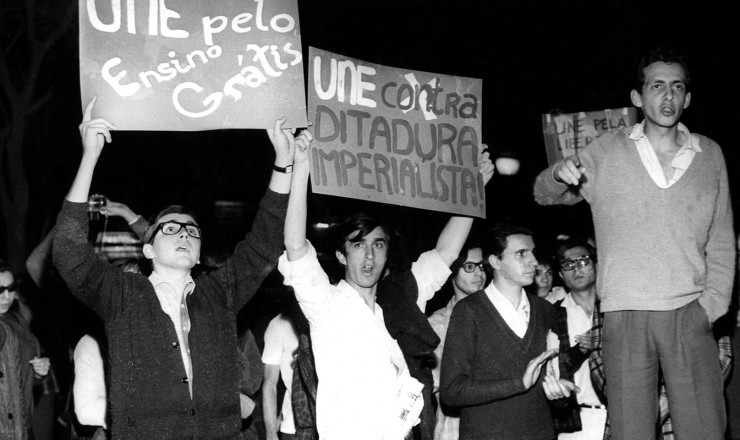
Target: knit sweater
658 249
149 397
482 369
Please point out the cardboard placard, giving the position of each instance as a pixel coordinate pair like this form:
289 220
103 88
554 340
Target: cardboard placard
568 133
396 136
186 65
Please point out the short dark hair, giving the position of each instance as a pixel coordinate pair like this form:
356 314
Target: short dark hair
463 256
573 243
663 54
172 209
357 226
496 239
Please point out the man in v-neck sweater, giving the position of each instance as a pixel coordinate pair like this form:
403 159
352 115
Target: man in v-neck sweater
496 345
663 220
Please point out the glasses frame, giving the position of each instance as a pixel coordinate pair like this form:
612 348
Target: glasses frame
12 288
160 228
580 262
481 265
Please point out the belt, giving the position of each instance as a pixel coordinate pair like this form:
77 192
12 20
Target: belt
593 406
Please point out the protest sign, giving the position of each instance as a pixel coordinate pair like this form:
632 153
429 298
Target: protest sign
394 135
188 65
568 133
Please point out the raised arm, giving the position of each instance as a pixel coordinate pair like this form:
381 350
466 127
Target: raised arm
95 133
39 258
88 275
453 236
284 144
295 220
256 255
428 271
136 222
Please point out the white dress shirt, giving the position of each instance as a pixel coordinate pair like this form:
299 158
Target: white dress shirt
174 305
680 162
517 318
359 366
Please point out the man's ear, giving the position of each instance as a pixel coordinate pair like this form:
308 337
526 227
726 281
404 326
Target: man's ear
341 258
494 261
687 101
148 251
636 98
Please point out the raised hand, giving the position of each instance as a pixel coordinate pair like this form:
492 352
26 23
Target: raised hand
535 365
486 166
302 147
95 132
119 210
569 170
283 142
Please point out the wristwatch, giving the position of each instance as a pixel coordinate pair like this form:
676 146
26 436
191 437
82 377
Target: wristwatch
287 169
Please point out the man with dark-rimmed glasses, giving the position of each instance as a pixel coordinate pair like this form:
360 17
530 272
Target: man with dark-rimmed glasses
468 276
172 336
580 317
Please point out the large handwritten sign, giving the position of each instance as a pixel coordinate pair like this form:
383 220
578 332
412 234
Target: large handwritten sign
192 65
395 136
568 133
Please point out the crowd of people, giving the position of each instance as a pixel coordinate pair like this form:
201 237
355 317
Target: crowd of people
589 337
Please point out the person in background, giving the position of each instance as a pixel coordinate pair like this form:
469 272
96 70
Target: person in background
585 415
281 342
22 363
468 276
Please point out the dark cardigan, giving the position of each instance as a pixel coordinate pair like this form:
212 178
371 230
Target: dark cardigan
482 369
149 396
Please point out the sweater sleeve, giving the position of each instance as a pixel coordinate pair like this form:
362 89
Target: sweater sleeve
88 275
548 191
458 386
256 255
720 251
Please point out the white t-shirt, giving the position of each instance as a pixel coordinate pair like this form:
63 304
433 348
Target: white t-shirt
89 384
281 343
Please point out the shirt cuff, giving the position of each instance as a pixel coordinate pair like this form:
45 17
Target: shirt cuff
290 270
430 272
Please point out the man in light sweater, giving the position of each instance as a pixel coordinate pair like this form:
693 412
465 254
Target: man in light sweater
661 208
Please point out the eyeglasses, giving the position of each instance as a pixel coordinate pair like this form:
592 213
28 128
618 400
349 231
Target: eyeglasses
9 288
583 261
469 267
173 227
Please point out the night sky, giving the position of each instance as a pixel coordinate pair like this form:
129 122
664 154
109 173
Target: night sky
534 57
